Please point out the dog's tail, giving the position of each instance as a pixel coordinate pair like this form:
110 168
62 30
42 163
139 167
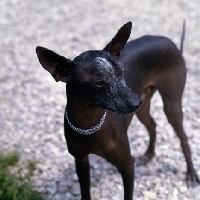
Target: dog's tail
183 36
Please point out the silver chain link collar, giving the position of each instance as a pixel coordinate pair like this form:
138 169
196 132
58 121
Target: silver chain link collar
87 131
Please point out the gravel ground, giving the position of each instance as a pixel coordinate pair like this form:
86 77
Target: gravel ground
32 103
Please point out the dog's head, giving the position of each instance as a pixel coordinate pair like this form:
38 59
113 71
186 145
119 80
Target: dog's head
95 77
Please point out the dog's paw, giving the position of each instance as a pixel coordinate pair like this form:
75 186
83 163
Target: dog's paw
192 180
143 160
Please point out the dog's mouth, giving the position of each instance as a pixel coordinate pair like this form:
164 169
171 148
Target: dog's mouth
134 109
125 109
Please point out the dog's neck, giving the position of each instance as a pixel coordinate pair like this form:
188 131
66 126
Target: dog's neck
83 116
88 131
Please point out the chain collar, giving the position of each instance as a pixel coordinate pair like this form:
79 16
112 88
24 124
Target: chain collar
86 131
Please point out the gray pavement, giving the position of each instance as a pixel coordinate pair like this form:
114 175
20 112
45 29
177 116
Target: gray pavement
32 103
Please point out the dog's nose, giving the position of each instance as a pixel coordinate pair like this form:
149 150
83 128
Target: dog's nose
140 102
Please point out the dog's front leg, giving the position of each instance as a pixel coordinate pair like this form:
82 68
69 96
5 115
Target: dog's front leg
83 172
127 173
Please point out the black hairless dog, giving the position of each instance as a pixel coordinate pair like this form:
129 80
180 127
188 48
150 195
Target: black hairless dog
99 94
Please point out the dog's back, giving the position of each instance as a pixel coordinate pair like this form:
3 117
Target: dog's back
155 63
148 58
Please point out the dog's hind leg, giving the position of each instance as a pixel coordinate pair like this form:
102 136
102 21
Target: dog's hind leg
173 111
171 92
144 116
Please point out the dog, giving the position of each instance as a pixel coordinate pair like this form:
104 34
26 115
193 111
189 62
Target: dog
102 86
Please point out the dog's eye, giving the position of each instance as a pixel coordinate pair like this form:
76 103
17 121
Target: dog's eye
99 83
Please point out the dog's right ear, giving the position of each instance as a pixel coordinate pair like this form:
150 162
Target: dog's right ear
118 42
58 66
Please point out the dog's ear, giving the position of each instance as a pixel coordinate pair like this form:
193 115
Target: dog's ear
58 66
117 44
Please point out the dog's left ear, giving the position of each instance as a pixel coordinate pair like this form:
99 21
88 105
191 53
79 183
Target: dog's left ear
58 66
118 42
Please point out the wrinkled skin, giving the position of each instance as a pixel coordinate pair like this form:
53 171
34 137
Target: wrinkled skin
101 82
